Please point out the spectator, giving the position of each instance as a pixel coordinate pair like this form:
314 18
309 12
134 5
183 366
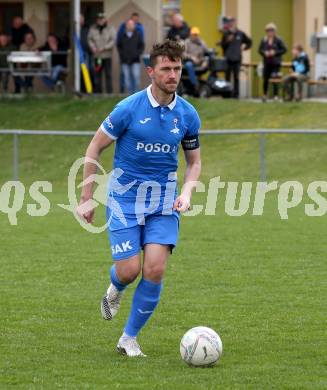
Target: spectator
130 46
271 48
58 60
101 40
5 48
84 30
179 29
18 31
140 28
234 42
29 44
300 70
195 50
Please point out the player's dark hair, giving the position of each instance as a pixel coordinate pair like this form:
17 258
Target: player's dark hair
171 49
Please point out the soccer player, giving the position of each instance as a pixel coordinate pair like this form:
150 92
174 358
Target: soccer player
143 205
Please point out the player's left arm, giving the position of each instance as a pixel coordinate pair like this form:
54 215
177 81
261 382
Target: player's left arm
192 174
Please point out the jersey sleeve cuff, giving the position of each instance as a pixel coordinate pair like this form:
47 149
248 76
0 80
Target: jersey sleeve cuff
107 133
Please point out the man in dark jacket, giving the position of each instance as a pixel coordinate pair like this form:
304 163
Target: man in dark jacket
18 31
138 27
300 70
233 43
179 29
130 46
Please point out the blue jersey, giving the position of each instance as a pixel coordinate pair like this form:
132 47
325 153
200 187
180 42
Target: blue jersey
146 154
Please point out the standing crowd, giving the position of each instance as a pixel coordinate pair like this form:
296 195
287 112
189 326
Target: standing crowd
233 43
99 40
271 48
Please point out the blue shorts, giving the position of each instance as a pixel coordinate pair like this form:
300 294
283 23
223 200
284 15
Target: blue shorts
158 229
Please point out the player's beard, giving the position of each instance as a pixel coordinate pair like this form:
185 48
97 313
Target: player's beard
168 88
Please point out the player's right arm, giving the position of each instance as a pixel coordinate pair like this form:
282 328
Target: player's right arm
110 130
99 142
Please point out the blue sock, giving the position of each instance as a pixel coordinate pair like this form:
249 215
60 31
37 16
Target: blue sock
115 281
145 300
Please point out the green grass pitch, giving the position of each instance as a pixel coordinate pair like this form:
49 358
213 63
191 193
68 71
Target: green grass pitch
260 282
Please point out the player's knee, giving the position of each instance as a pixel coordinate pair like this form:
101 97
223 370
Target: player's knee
154 272
128 273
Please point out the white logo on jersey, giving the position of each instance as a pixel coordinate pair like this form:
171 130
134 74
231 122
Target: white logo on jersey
156 148
110 125
145 120
175 130
124 247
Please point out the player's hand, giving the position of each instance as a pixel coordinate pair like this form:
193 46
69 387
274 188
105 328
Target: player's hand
85 210
182 203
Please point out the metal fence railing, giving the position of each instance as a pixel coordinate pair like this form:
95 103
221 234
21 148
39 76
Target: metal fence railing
260 132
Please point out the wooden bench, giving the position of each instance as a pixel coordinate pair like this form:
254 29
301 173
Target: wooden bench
310 83
277 81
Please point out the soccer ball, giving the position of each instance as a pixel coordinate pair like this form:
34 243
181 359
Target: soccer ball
201 346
